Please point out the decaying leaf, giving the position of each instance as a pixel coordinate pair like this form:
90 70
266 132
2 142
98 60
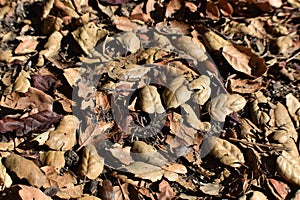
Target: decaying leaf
228 153
91 164
147 153
63 138
150 100
245 86
5 180
193 120
31 172
224 104
88 36
53 158
202 87
22 82
243 60
176 93
288 167
293 106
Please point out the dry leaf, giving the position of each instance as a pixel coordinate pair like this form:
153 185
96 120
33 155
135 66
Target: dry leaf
63 138
57 180
7 146
5 180
144 171
66 8
288 167
193 120
293 106
51 24
22 82
245 86
31 172
129 41
172 7
214 41
29 193
53 158
176 93
26 46
224 104
124 24
147 153
278 188
202 87
260 116
91 164
47 8
122 154
94 133
150 100
165 191
70 192
34 100
243 60
117 70
87 197
228 153
191 46
88 36
107 191
212 10
175 167
213 189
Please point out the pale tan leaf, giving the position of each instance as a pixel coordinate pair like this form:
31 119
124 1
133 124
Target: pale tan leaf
26 46
176 93
275 3
7 146
288 167
73 75
5 180
147 153
293 106
224 104
145 171
51 24
284 122
43 137
70 192
124 24
31 172
203 89
88 36
213 189
63 138
91 164
150 100
22 82
175 167
66 8
257 195
55 179
214 41
228 153
130 41
122 154
193 120
28 193
53 158
47 8
191 46
87 197
243 60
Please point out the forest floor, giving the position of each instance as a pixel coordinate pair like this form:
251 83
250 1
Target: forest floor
122 99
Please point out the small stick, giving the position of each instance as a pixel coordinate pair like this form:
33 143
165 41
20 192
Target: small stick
274 146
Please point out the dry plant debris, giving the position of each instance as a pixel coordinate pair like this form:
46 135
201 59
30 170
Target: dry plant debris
149 99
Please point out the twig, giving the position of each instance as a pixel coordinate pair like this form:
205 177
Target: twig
274 146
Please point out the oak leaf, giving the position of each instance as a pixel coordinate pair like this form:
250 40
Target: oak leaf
31 172
63 138
228 153
91 164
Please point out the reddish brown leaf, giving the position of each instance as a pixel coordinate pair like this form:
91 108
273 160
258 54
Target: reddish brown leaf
46 83
165 191
107 191
35 123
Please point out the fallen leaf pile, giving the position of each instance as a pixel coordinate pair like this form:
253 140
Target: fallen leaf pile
122 99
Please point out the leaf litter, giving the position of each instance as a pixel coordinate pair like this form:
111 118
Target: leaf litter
149 100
